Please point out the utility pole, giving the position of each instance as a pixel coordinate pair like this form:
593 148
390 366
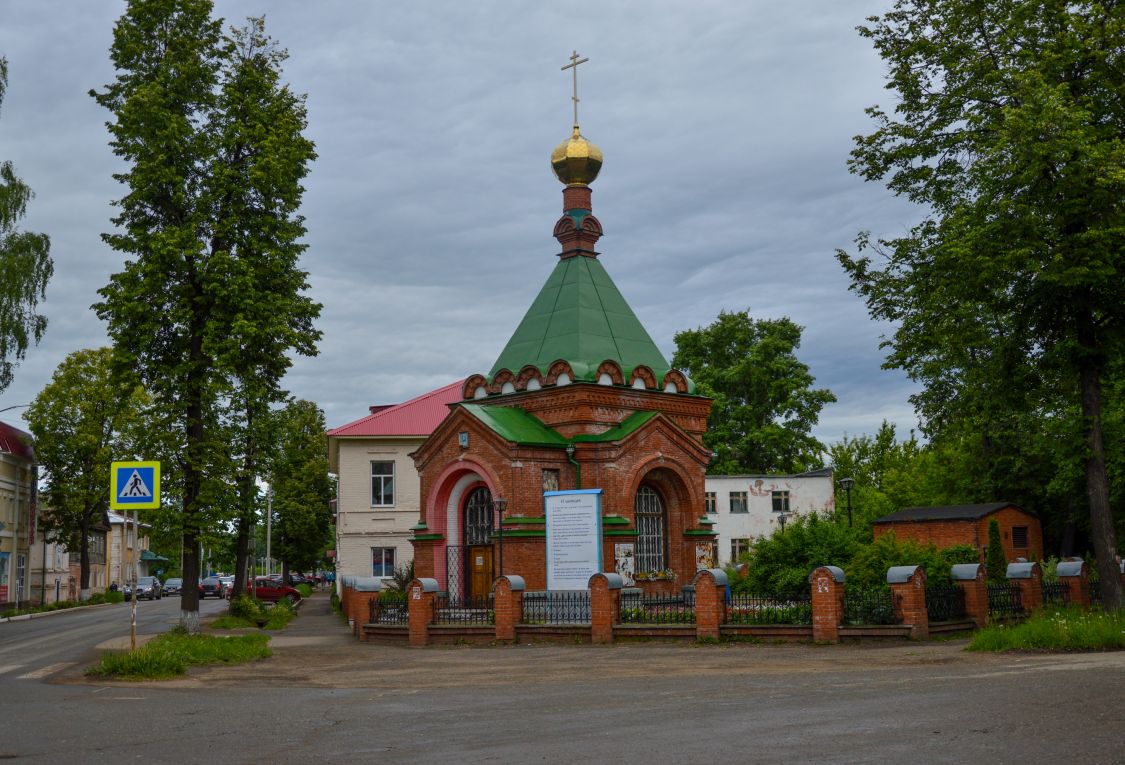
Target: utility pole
269 531
133 588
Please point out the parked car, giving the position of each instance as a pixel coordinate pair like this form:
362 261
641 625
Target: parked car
228 585
211 587
173 586
149 588
270 591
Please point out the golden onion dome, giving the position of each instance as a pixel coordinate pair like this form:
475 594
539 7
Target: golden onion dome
576 161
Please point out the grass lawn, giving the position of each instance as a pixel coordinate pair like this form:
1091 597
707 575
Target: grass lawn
1056 629
169 655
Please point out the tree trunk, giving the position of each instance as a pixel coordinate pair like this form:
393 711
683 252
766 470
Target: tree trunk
189 599
1097 482
84 559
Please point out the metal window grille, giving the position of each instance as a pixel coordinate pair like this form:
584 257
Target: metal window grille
793 607
945 602
649 519
456 559
558 607
871 605
638 608
478 517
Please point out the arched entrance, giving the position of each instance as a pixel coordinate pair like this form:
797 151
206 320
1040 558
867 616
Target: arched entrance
477 523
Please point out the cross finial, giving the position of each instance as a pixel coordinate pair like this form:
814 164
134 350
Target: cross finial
574 62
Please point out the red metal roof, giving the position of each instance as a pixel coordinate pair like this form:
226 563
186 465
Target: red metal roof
416 417
15 441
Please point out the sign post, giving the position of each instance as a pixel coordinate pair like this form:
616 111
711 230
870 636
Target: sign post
133 486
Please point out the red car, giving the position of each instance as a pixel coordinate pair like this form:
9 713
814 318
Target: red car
264 588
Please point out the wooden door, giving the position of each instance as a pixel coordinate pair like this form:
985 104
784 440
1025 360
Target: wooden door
480 571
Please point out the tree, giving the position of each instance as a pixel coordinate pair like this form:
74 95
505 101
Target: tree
1008 299
301 486
995 561
764 404
82 422
25 267
210 222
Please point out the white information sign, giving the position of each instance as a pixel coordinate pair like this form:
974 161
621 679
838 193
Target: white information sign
574 537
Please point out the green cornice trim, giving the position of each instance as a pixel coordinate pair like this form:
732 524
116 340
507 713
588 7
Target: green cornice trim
620 533
517 520
428 537
699 533
421 526
615 520
526 533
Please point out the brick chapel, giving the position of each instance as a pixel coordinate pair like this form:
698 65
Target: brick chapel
579 398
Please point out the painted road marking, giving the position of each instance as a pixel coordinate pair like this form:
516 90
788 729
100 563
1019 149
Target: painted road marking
50 669
5 669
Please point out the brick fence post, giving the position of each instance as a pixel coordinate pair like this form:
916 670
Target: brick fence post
827 603
364 592
1076 578
605 594
970 577
710 603
908 591
507 603
1028 577
420 605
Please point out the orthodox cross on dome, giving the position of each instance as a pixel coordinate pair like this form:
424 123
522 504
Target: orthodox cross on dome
574 62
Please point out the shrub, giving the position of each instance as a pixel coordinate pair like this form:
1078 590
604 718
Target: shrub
246 607
170 654
869 567
996 561
784 560
305 590
403 575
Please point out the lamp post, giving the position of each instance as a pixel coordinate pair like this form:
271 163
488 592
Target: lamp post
498 504
269 531
782 519
847 483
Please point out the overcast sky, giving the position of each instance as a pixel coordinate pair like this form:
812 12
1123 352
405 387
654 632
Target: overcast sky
726 128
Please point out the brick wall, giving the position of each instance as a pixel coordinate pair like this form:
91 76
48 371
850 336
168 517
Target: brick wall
972 532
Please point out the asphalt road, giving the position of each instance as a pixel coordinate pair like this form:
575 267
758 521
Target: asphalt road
324 698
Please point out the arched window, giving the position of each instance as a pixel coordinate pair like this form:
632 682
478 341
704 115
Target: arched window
478 517
650 521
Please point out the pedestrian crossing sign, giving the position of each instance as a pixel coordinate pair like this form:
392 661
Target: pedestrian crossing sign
134 485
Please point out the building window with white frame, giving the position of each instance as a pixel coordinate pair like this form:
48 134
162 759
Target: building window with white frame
383 562
382 484
780 501
738 502
650 521
709 503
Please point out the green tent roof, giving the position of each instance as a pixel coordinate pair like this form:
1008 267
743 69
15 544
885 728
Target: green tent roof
580 316
515 424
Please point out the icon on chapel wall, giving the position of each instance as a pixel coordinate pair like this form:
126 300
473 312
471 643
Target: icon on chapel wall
550 479
624 563
704 556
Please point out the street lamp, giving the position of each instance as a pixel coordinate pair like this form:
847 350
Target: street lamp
498 504
848 483
782 519
269 531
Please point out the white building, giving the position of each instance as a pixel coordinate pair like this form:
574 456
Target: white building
746 507
378 492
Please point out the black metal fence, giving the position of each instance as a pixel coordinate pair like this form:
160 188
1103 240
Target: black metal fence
387 612
793 607
1004 600
463 611
1055 594
638 608
456 560
869 605
945 602
561 607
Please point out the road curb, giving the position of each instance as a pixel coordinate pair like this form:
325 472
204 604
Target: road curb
41 614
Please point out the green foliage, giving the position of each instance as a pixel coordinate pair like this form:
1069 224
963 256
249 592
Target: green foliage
995 561
869 567
82 421
25 267
302 489
1006 299
402 576
764 406
246 607
209 304
1056 629
305 590
229 622
279 616
783 561
169 655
